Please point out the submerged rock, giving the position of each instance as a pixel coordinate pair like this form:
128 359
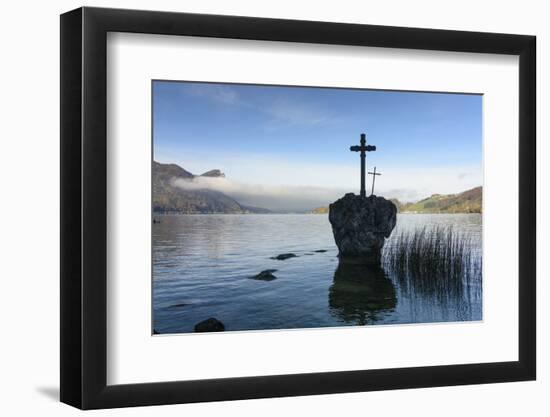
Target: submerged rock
284 256
179 305
209 325
266 275
360 226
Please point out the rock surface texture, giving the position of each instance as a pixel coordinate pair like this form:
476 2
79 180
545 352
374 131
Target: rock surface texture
360 226
284 256
209 325
266 275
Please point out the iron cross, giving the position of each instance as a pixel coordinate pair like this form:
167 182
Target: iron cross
374 174
363 148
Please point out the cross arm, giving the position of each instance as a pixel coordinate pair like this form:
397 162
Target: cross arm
357 148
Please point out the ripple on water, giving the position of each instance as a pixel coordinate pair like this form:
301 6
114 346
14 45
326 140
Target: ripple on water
205 262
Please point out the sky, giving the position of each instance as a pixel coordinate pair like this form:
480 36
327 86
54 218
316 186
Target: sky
287 148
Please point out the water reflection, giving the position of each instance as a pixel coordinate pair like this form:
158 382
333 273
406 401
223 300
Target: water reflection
359 294
437 271
440 297
202 266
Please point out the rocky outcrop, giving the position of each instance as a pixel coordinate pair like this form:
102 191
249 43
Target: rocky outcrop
360 226
284 256
175 190
266 275
214 173
209 325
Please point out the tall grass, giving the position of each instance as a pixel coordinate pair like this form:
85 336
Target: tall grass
435 261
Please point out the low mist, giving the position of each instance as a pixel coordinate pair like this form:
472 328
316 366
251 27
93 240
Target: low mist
280 198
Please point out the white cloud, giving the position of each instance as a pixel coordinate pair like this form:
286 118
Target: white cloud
273 197
280 110
221 94
264 181
294 113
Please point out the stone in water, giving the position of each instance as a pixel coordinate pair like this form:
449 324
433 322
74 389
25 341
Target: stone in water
266 275
360 226
284 256
210 325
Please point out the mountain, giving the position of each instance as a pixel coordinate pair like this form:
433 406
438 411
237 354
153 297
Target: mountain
214 173
397 204
469 201
167 197
256 210
167 171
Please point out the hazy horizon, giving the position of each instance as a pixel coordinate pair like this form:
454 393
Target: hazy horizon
287 148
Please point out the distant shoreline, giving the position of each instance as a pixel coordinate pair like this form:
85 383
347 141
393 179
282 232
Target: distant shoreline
466 202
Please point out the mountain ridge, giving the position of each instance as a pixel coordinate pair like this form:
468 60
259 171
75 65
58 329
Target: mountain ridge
169 198
469 201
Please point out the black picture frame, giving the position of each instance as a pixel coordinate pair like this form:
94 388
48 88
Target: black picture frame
84 207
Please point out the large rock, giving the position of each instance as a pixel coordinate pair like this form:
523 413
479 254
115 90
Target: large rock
360 226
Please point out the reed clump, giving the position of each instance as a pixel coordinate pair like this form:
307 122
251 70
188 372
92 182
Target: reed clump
433 259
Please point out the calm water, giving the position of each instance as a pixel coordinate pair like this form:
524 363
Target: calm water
203 264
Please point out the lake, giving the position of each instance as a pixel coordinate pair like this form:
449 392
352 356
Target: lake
203 264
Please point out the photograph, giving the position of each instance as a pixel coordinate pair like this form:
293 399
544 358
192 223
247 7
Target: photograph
296 207
327 204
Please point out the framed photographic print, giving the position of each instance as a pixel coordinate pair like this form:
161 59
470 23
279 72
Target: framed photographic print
258 207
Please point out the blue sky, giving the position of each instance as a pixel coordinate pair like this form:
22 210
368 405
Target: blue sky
299 137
